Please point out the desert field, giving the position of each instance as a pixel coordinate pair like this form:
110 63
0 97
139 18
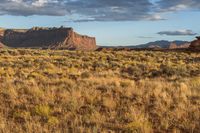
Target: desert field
59 91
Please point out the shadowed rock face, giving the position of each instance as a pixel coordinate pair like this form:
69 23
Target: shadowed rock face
195 45
55 38
1 37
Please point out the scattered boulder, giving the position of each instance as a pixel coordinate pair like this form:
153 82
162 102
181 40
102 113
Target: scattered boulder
52 38
195 45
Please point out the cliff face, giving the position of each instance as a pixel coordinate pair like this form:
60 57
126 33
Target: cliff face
55 38
195 45
1 34
1 37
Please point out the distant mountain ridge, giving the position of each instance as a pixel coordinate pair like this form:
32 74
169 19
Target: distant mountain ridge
163 44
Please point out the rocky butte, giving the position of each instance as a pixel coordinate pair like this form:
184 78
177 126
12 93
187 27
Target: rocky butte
195 45
52 38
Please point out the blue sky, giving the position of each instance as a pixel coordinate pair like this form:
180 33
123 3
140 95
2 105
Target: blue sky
112 22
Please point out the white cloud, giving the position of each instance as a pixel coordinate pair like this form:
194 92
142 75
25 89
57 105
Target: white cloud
178 5
183 32
17 1
39 3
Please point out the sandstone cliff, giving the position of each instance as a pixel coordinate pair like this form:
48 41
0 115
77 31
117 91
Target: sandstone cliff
54 38
195 45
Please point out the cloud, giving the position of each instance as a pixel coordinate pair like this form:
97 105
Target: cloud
32 7
97 10
177 33
40 3
145 37
82 10
111 10
178 5
155 17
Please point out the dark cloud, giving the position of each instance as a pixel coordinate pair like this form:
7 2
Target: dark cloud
32 7
177 33
96 10
82 10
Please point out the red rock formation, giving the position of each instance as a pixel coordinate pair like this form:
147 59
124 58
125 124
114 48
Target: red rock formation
186 45
195 45
55 38
175 46
1 37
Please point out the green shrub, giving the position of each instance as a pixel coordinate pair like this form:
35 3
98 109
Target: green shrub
85 75
43 110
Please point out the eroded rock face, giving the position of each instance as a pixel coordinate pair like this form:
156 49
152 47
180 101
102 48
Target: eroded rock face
55 38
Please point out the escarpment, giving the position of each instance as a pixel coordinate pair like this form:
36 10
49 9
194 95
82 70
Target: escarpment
53 38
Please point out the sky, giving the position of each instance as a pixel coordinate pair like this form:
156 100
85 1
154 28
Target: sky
112 22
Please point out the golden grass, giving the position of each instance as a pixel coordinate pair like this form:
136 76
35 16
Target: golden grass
73 91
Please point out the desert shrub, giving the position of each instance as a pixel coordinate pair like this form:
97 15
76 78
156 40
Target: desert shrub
86 59
155 73
109 103
42 110
85 75
132 71
53 120
195 84
182 71
169 70
21 116
126 84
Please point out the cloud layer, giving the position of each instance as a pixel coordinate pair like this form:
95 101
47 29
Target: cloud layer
97 10
178 33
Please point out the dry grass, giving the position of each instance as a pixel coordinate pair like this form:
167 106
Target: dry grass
63 91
